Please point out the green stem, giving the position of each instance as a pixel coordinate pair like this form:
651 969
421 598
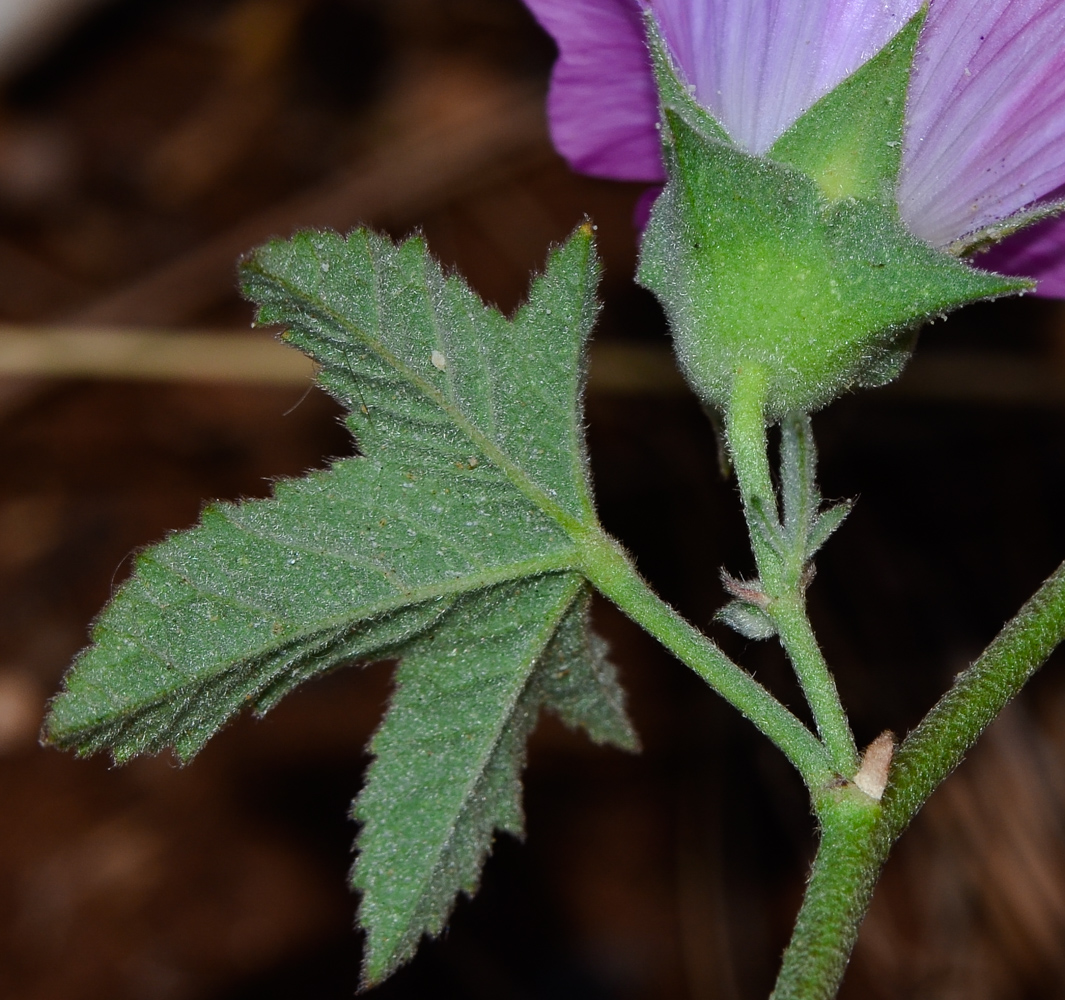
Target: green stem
857 833
745 430
849 858
978 694
818 684
611 571
780 568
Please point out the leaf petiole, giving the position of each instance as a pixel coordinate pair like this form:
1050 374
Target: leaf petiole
607 566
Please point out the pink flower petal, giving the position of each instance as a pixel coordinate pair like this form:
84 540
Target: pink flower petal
986 115
1038 252
759 64
603 106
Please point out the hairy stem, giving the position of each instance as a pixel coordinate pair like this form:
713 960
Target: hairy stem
611 571
849 858
745 429
857 833
780 557
818 684
977 695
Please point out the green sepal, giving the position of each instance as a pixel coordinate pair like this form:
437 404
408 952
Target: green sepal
756 265
673 94
850 141
983 239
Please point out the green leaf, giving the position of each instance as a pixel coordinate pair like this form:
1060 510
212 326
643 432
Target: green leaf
435 792
452 542
758 267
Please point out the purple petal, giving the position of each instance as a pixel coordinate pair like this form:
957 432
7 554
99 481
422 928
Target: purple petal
1038 252
986 115
759 64
641 212
603 106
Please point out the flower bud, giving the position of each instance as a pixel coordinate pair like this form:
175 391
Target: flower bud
797 261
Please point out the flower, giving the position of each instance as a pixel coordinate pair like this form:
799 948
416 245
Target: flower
985 116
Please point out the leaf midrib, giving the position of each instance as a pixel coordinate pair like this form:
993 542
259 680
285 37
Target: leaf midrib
573 526
556 563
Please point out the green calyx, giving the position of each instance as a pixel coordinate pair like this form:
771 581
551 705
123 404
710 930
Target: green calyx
797 262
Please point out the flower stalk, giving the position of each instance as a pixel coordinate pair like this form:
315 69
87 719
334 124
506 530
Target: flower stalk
781 557
856 829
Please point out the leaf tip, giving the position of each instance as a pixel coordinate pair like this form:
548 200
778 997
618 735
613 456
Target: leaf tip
381 959
47 737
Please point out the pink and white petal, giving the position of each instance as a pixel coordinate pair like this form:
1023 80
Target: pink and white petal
757 66
1038 252
602 106
986 126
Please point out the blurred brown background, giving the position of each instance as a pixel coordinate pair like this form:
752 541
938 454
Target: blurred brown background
144 144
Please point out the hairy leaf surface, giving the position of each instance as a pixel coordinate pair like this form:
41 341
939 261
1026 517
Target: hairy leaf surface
525 648
448 543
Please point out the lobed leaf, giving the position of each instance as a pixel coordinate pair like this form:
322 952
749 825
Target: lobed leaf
448 543
435 793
